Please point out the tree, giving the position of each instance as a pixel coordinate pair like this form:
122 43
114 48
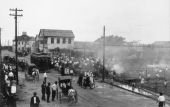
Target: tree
112 40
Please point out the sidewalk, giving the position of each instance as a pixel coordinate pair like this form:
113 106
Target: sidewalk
143 92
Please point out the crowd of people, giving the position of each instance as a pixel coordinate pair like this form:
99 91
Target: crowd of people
46 90
72 65
85 67
50 90
9 71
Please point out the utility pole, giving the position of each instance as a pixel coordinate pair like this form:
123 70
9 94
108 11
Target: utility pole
84 50
2 80
16 40
1 72
43 40
103 76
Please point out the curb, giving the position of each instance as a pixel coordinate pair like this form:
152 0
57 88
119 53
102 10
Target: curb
153 95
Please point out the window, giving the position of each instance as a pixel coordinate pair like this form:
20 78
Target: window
58 40
18 43
64 40
69 41
45 41
52 40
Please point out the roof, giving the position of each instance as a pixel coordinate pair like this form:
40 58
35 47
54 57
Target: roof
40 55
24 38
61 78
58 33
31 65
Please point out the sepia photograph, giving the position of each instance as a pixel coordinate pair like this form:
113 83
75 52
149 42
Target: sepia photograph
85 53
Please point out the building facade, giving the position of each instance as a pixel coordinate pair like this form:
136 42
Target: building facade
50 39
25 43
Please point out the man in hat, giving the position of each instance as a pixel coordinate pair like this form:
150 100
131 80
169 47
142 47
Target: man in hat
34 100
43 90
48 92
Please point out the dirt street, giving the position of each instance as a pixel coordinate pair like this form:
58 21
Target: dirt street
102 96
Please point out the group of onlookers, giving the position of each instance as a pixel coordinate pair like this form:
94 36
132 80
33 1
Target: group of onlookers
10 78
73 65
46 89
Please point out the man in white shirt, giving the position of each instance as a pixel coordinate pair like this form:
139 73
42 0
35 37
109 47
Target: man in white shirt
45 77
161 100
11 75
54 88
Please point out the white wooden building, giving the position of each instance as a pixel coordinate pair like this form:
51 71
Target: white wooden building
49 39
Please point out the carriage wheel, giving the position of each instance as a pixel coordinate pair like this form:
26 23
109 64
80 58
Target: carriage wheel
84 85
92 85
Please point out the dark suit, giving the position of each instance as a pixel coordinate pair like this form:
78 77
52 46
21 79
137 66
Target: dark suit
48 92
43 89
33 104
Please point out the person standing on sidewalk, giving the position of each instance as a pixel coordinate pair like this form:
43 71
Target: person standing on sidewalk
45 77
54 90
161 100
43 90
34 100
48 92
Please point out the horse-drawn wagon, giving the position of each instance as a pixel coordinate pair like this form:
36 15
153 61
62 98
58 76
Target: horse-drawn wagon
66 90
31 72
86 80
41 60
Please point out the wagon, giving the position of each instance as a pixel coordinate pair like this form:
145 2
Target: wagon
29 70
66 91
42 61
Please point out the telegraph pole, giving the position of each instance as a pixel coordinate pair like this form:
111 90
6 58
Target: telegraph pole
84 51
2 80
43 40
16 40
103 76
1 72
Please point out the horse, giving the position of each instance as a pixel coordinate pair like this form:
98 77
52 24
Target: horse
72 94
35 74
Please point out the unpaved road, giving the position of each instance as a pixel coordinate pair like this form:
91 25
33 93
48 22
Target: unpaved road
102 96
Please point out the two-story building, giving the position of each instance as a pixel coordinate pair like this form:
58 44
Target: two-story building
49 39
25 43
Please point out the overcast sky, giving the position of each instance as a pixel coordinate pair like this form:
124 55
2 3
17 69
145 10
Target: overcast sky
144 20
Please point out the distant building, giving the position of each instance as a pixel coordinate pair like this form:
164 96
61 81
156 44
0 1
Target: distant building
84 46
25 43
49 39
162 43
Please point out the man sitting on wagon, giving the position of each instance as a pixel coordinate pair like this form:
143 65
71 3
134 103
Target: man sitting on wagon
11 76
64 88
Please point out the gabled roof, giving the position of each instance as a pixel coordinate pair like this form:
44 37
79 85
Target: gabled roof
24 38
58 33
